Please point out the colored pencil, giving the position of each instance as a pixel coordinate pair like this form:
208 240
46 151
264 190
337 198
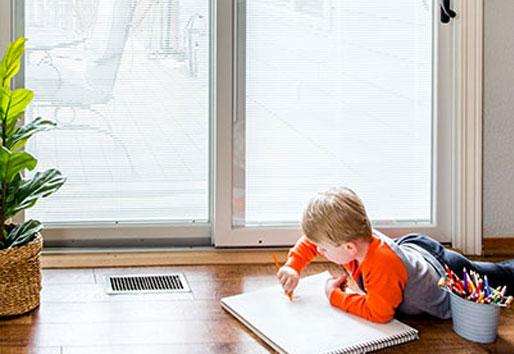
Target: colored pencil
475 288
277 267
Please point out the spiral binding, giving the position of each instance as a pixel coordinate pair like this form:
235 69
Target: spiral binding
377 344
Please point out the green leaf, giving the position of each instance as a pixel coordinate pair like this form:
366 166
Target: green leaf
11 164
12 189
5 99
20 100
10 64
23 234
25 193
12 105
22 134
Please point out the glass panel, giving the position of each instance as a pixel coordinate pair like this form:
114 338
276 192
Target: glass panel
128 83
337 93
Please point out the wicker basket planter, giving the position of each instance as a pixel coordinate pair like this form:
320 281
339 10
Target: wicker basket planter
20 278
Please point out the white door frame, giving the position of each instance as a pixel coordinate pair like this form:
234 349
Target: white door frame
467 235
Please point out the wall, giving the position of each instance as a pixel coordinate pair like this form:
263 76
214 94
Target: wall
498 118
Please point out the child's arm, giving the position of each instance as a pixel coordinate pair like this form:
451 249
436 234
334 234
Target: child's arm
384 293
302 253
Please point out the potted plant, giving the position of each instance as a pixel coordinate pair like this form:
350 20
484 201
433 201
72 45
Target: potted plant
20 244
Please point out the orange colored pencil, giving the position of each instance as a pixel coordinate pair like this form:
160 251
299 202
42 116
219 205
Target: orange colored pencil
277 267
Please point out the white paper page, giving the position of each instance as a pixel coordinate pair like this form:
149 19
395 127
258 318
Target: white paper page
309 324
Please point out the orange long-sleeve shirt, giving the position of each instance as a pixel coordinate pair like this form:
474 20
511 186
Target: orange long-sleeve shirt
384 277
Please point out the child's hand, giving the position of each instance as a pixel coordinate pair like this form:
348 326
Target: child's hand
288 278
335 283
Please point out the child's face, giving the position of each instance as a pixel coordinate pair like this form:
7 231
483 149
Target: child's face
342 254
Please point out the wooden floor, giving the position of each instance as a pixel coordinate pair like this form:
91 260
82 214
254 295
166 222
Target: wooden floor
77 317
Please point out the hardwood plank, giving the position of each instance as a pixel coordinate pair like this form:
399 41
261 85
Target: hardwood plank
208 290
116 333
29 350
179 257
68 276
217 272
499 246
26 319
95 293
126 312
204 348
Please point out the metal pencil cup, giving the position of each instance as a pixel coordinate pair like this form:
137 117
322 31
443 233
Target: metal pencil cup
475 322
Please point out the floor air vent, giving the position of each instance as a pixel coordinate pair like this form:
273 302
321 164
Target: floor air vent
140 284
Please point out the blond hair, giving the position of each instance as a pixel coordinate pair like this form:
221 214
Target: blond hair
336 216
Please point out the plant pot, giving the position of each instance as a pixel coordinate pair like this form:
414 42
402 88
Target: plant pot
20 278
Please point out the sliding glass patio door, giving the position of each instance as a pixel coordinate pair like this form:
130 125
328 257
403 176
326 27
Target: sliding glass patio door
194 122
332 93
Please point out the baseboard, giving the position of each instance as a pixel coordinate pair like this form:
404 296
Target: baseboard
498 246
167 258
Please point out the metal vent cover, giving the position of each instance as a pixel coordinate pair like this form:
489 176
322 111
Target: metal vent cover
146 283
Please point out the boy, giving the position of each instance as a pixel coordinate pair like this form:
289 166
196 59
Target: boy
396 275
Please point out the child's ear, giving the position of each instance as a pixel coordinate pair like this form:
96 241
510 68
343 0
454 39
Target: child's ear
351 246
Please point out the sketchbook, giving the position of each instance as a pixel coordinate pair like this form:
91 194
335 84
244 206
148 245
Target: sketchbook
309 324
